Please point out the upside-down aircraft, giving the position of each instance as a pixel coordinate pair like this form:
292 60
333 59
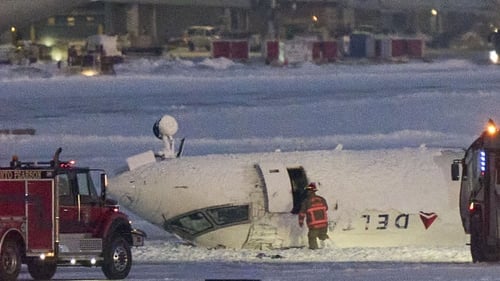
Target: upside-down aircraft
385 198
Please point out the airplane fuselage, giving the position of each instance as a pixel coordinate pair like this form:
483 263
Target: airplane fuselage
385 198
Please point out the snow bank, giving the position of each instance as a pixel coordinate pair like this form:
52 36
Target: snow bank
161 251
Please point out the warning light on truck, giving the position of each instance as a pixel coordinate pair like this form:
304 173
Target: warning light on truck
471 207
491 127
482 162
67 164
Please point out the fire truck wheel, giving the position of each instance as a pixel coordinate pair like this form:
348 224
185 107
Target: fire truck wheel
117 258
10 259
42 270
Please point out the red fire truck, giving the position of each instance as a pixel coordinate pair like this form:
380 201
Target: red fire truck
51 215
480 194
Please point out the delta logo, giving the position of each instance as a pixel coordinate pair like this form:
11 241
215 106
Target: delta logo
427 218
395 220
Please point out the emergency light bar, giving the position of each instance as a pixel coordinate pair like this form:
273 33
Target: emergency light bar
16 163
67 164
482 162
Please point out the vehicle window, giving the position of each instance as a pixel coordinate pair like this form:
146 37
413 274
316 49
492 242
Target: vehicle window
474 166
497 169
229 215
63 185
465 172
195 32
470 171
64 189
85 186
192 223
473 172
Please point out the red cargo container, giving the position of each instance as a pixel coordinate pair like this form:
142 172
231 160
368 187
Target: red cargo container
230 49
272 51
221 49
415 48
240 50
399 48
324 51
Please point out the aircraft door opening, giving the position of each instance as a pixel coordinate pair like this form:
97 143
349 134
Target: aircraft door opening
299 181
283 187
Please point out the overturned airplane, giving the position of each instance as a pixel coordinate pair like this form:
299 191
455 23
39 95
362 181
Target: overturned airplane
385 198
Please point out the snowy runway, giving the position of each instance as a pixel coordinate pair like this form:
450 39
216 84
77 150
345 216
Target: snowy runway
223 107
295 271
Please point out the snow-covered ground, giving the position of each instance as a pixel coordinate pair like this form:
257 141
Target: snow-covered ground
227 107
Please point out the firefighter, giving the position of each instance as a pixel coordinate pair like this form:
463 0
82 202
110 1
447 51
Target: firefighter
314 209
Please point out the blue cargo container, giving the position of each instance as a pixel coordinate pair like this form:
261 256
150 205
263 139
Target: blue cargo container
361 45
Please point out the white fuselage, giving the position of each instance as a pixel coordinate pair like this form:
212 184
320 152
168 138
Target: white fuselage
385 197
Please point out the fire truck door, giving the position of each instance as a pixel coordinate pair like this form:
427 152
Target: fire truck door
68 208
88 202
78 203
40 216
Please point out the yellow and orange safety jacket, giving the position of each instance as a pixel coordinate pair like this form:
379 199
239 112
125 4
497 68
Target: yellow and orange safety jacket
314 209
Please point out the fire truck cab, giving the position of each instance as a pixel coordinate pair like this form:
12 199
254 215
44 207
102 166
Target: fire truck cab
480 194
52 215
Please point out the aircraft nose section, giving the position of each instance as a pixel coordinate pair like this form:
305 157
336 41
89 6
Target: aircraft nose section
124 190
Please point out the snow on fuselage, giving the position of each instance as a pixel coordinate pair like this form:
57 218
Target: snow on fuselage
385 197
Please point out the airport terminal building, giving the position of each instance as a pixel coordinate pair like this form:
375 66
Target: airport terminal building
155 22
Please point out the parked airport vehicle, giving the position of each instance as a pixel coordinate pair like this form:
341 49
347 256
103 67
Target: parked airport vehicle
52 215
201 36
479 194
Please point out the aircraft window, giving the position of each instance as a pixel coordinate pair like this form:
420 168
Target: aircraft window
229 215
193 223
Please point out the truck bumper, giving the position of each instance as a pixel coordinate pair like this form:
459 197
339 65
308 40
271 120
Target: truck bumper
138 237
